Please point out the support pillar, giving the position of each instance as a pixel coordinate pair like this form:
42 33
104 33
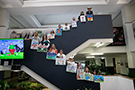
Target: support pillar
109 65
4 23
128 16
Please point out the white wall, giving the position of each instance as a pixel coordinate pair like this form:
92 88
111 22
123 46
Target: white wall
114 49
121 68
131 59
57 18
3 32
130 13
4 18
2 15
109 61
4 23
116 83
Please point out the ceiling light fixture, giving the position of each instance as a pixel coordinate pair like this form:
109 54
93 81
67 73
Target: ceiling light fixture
100 44
96 53
90 56
97 44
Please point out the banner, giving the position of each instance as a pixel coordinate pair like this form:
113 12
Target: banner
58 31
34 44
51 56
83 18
90 17
60 61
118 39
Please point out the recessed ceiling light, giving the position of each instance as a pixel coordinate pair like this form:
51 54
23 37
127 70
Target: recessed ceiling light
96 53
97 44
90 56
100 44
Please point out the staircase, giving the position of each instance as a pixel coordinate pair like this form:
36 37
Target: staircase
100 28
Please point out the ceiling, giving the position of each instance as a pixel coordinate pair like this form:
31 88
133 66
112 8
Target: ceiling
50 13
82 57
110 51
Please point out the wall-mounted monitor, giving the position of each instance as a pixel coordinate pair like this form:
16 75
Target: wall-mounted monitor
12 48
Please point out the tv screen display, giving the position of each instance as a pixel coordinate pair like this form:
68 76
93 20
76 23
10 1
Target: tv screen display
12 48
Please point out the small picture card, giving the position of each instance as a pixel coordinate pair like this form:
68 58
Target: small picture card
71 68
60 61
50 36
88 76
34 44
90 17
83 18
51 56
58 31
80 74
42 48
74 24
66 28
98 78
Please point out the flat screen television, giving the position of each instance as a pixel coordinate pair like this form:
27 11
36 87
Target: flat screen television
12 48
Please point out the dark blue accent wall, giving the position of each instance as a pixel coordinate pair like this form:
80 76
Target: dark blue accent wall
101 27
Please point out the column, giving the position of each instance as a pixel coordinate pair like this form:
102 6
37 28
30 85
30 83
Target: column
4 23
128 16
109 65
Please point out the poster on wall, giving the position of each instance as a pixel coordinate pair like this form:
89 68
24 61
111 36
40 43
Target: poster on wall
60 61
82 18
66 28
90 17
58 31
71 68
118 39
34 44
41 48
50 36
80 74
88 76
51 56
74 24
98 78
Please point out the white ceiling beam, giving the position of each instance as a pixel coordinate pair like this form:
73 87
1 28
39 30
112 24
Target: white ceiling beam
32 20
15 3
116 49
118 1
112 1
68 3
12 3
123 1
